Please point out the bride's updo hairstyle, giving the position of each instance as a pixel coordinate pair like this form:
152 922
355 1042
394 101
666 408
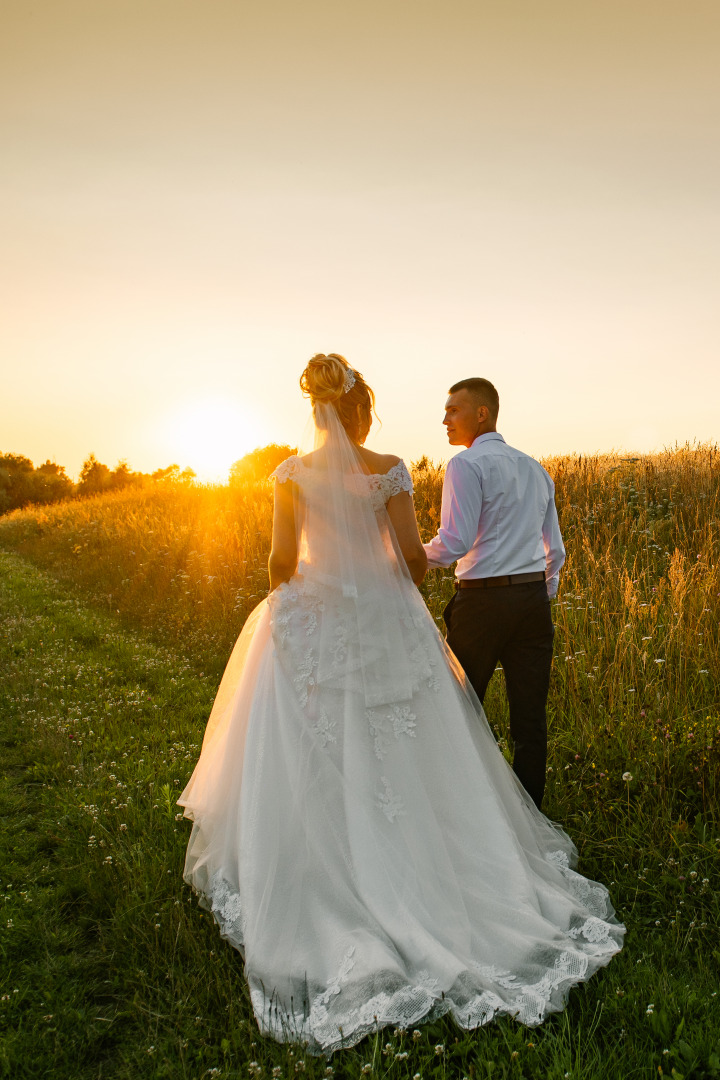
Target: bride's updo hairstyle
324 381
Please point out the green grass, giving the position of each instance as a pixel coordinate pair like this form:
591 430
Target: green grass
108 670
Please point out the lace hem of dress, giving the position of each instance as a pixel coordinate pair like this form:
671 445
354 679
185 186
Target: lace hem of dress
324 1028
592 896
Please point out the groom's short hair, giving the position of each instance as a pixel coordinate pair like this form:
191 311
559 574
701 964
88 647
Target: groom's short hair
483 392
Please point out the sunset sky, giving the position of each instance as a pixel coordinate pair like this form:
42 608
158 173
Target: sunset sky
197 196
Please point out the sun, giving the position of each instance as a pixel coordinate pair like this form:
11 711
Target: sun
209 434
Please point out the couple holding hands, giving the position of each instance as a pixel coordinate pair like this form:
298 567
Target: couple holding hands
357 834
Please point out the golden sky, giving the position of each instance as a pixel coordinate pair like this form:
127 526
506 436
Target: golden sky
197 196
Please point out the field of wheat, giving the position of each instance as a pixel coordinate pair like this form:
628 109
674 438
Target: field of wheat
120 612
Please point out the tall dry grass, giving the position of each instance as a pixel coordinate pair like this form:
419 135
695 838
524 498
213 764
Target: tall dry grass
637 642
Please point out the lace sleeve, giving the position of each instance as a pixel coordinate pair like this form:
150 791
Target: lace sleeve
286 470
396 480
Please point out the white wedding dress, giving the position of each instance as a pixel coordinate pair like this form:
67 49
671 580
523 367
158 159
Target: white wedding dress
357 834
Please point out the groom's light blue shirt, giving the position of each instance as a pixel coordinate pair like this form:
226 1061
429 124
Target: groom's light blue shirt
498 515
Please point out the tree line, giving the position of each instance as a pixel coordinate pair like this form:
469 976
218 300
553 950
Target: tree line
23 484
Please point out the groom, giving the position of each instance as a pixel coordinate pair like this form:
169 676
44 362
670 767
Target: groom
499 521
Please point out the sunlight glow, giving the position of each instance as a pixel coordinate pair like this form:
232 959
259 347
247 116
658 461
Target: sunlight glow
209 434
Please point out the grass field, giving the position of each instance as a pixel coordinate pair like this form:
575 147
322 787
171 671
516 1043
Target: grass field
118 615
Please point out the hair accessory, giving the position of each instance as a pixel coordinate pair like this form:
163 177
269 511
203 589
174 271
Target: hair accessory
349 380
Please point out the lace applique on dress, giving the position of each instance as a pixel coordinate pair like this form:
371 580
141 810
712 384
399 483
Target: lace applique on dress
529 1005
290 602
315 1025
593 930
324 728
433 682
386 725
384 485
397 479
334 988
592 896
424 665
287 470
391 804
340 645
226 907
295 612
559 859
304 679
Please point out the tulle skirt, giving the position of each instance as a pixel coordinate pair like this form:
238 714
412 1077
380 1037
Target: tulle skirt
377 863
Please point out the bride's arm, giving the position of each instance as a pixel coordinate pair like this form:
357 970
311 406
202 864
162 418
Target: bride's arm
402 515
283 556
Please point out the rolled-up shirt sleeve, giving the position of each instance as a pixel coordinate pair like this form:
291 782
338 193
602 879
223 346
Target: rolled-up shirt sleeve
554 547
460 514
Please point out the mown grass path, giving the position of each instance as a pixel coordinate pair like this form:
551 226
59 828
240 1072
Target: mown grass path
110 969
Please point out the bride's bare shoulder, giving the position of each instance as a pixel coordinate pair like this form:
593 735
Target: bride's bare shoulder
379 464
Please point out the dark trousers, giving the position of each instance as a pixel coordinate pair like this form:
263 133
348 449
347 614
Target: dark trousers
512 625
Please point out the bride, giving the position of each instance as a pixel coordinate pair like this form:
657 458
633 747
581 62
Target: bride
357 834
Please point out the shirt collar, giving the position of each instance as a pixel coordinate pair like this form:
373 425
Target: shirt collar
489 436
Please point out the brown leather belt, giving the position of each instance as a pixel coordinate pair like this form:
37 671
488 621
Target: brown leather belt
509 579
